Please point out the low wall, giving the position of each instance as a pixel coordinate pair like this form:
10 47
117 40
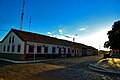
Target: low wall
20 57
12 56
45 56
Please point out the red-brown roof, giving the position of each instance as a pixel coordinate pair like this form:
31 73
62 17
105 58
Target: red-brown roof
34 37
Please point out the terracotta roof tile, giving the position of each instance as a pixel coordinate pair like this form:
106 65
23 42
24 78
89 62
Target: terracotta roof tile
34 37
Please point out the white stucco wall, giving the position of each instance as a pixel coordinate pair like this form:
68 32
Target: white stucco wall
17 41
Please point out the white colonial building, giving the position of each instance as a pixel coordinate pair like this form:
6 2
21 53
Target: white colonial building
22 45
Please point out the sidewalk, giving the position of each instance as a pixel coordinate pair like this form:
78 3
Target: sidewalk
100 69
33 61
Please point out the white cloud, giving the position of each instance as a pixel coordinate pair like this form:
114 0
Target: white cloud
60 31
49 33
96 39
82 29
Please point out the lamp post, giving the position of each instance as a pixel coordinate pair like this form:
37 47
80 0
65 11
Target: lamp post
72 37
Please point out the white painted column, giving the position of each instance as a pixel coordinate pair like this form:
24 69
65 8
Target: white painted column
35 48
27 48
42 50
49 49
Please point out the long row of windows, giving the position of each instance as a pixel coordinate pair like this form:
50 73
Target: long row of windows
13 48
115 51
39 49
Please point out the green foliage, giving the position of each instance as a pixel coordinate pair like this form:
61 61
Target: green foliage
114 37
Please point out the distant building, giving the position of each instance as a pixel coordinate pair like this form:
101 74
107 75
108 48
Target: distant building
22 45
115 53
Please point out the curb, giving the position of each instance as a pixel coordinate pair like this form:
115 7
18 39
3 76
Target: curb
100 69
23 62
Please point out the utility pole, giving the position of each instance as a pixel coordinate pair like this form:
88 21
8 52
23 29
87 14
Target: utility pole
22 15
72 37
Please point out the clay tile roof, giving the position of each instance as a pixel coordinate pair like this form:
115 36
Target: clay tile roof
34 37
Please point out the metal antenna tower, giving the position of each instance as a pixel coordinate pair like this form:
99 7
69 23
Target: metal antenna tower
22 15
29 23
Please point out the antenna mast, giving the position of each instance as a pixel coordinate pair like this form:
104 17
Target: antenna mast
22 15
29 23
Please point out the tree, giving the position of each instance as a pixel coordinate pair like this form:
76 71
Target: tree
114 37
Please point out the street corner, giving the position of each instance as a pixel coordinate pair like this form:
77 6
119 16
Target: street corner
108 65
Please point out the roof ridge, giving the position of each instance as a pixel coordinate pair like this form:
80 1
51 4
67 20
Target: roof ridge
47 36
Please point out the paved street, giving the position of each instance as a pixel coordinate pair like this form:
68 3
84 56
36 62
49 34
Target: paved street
66 69
78 70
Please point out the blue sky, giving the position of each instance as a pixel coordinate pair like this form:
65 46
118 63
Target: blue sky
90 19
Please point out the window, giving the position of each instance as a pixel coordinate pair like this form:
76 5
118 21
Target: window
19 47
59 50
10 40
13 48
31 48
88 50
117 51
46 49
64 50
75 50
53 49
8 48
80 50
39 49
68 50
72 50
113 51
13 39
4 48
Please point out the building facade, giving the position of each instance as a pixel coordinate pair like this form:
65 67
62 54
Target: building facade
22 45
